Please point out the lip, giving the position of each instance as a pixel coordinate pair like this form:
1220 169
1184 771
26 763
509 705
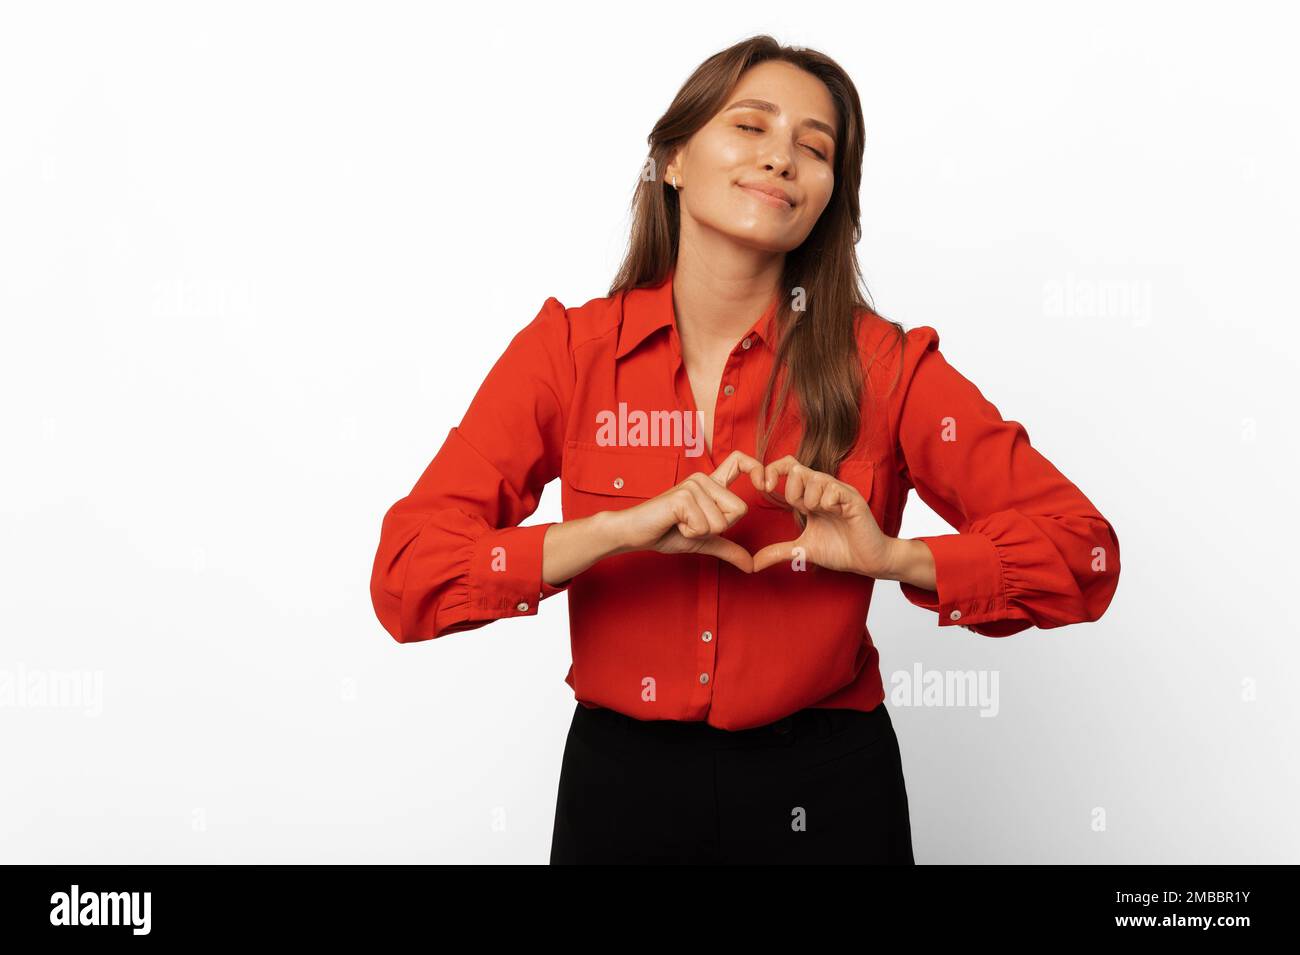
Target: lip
771 195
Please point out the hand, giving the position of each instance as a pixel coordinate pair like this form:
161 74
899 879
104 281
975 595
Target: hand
840 532
687 518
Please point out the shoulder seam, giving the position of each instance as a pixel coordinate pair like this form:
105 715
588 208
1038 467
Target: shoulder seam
594 334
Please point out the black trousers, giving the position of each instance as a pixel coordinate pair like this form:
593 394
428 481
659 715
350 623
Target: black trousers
821 786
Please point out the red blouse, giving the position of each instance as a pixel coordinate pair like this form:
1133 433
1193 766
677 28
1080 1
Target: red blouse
598 396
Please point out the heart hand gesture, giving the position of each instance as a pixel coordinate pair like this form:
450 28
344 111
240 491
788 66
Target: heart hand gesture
840 532
688 518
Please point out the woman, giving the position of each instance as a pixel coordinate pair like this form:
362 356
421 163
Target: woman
720 540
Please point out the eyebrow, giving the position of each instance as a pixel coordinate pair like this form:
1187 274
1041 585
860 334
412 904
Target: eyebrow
767 107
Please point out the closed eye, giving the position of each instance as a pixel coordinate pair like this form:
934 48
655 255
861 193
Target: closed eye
816 152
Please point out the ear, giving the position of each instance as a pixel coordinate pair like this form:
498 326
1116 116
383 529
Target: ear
673 166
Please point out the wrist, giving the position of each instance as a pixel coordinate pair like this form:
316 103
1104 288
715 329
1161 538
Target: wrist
900 557
607 529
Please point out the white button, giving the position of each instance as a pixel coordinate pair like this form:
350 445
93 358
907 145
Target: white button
706 636
618 482
729 390
521 606
746 343
955 615
704 678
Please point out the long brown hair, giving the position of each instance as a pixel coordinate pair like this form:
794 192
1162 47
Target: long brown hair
817 341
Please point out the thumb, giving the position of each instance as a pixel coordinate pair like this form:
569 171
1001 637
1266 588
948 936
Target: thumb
774 554
729 551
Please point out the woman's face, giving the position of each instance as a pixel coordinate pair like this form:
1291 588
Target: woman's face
777 131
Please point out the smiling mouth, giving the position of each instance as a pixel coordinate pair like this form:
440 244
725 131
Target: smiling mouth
776 202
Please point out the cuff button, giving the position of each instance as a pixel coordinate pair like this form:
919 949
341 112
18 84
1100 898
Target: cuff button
521 606
955 615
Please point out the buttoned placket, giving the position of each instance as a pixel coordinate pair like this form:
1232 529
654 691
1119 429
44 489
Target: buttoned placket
711 569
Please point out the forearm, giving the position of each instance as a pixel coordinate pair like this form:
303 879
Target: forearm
911 562
570 547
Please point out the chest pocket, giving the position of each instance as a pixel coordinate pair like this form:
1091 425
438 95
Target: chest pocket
860 474
616 472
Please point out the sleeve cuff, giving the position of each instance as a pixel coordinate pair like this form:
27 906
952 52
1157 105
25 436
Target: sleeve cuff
505 574
968 577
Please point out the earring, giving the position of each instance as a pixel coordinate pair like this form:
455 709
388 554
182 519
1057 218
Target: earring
674 182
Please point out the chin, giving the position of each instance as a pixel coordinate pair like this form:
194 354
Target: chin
758 237
763 243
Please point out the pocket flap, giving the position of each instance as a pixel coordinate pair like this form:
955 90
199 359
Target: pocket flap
619 472
859 473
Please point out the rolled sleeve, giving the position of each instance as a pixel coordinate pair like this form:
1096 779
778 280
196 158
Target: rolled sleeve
505 572
453 554
1030 548
968 577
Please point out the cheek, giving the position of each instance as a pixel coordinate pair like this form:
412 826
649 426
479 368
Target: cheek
820 188
816 201
716 201
714 157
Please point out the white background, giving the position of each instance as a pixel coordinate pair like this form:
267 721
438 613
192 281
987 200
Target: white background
256 258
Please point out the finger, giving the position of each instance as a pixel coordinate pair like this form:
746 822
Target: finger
731 505
729 551
737 463
789 468
779 553
836 496
833 498
806 489
816 488
708 507
781 466
795 483
691 521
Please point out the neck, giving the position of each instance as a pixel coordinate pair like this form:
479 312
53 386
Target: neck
716 302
